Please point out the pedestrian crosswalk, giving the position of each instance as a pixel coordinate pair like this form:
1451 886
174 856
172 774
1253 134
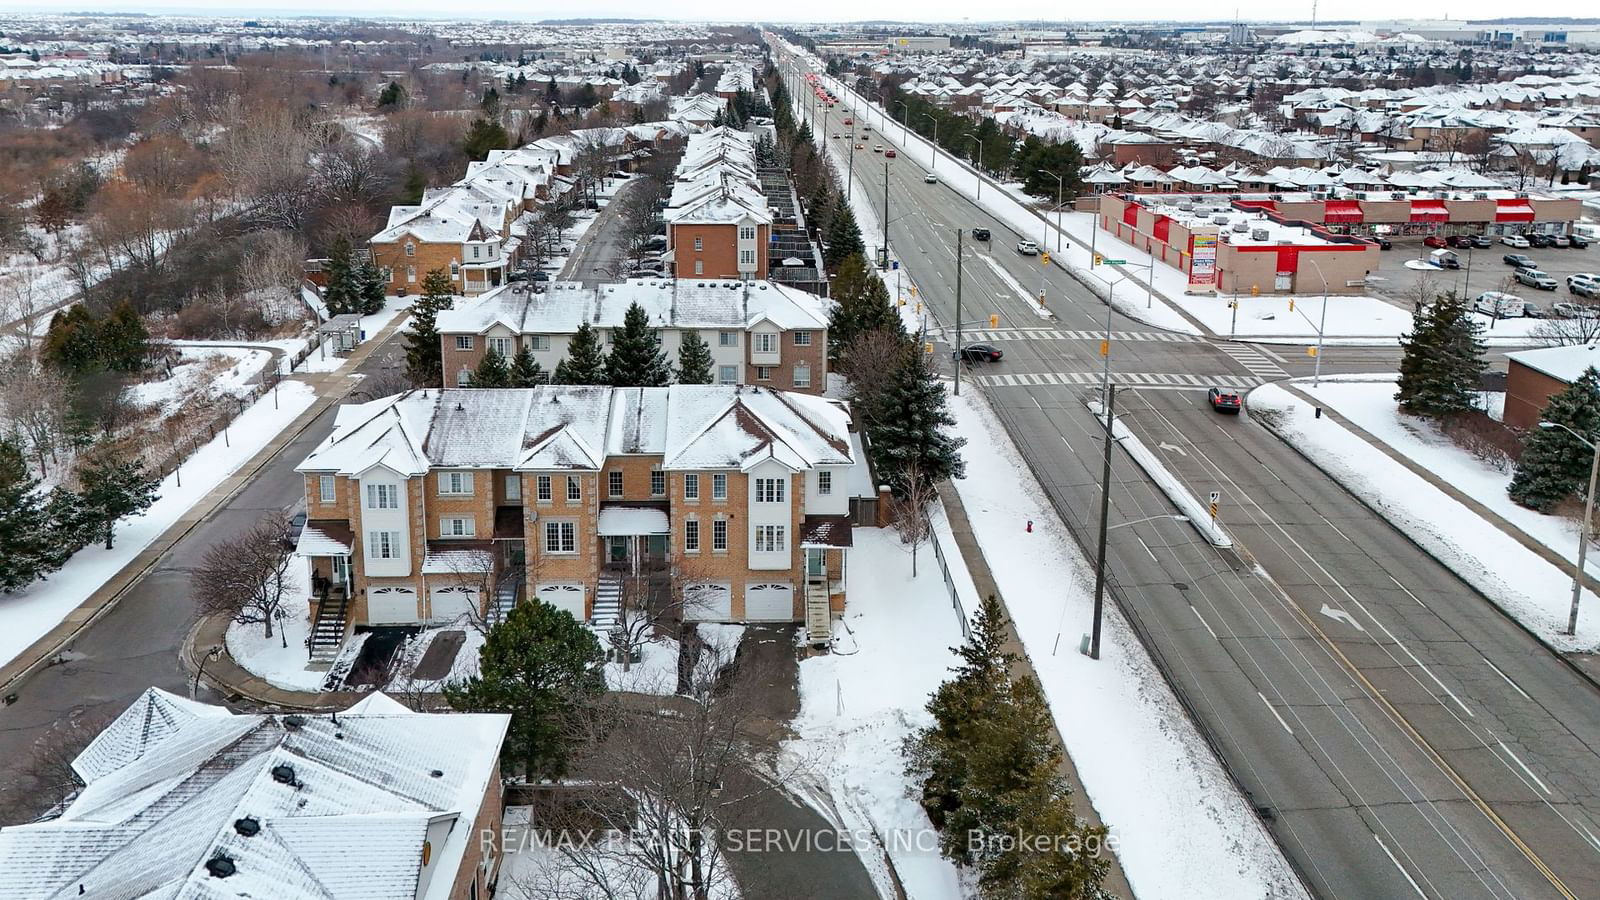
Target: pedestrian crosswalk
1152 381
1058 334
1254 361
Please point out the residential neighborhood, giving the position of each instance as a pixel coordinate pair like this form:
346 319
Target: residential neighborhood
912 453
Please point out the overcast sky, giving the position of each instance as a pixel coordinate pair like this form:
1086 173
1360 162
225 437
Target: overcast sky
826 10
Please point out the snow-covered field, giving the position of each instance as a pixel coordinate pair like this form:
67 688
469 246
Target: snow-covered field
657 670
202 369
1528 587
1183 829
29 614
859 702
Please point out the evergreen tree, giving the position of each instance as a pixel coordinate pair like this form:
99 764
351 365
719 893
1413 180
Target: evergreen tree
1554 464
694 359
124 341
483 136
415 185
844 237
1441 363
491 371
72 342
370 287
861 304
637 359
342 293
393 96
908 426
525 370
585 362
24 530
540 665
113 490
424 357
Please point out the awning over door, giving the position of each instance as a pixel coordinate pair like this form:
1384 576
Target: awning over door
620 521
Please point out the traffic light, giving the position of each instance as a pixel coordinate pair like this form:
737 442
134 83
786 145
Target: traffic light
1255 290
1044 258
994 320
1291 304
927 347
1105 348
1098 259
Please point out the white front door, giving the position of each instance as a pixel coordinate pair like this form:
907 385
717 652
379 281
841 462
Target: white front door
563 596
765 602
454 601
392 606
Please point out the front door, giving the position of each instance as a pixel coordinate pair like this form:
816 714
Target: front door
617 549
815 568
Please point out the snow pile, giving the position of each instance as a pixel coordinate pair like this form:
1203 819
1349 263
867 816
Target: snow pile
1199 515
859 702
656 672
28 615
1522 583
281 659
1183 828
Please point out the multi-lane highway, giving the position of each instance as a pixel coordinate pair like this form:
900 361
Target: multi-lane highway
1401 736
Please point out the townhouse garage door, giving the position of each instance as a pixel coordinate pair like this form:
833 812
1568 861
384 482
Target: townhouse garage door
768 602
708 602
391 605
563 595
454 601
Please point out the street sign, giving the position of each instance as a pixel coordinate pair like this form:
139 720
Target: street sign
1115 262
1216 496
927 347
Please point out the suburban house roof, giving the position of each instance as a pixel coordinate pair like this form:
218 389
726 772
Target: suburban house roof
578 427
670 303
1561 363
302 807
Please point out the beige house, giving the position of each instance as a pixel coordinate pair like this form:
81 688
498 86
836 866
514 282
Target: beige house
732 501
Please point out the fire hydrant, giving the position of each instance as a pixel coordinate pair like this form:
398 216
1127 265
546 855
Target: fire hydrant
1030 526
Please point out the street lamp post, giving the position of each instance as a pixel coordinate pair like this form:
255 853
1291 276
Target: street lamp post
1061 185
935 141
1322 325
1109 411
1584 531
959 360
905 111
978 142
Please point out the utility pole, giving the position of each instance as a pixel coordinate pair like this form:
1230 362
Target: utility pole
886 213
958 312
1105 514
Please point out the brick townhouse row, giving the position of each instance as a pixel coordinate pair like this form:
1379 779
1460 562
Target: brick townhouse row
719 224
734 501
758 332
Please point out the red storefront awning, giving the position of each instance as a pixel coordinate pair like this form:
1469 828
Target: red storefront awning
1515 210
1342 212
1429 211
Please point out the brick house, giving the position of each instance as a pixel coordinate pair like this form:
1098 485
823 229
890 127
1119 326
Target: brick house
461 230
733 501
759 332
185 800
718 222
1534 376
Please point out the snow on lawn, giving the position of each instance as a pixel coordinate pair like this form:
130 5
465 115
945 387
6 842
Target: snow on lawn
29 614
859 703
1519 581
201 370
656 672
370 326
281 659
1183 829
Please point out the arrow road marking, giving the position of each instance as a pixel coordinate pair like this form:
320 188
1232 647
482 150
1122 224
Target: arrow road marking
1172 448
1339 615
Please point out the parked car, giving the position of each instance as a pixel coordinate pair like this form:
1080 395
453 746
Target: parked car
1584 285
1433 240
1566 310
1560 241
1027 248
931 178
1536 278
1459 241
1224 400
539 276
1515 240
1482 242
1499 304
291 531
1520 260
980 234
1578 241
979 353
889 153
1539 240
1383 242
1532 310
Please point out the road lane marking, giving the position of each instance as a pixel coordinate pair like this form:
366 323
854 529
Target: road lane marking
1387 852
1208 628
1147 550
1339 615
1409 594
1335 527
1507 678
1274 712
1536 779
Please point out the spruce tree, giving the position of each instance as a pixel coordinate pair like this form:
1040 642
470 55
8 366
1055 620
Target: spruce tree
424 356
113 490
1554 464
694 359
124 341
525 370
342 293
491 371
24 530
484 135
370 287
861 304
908 426
585 362
637 359
542 666
72 341
844 237
1441 363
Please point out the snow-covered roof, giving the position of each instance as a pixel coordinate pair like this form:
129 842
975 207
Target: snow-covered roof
303 807
620 520
669 303
1562 363
578 427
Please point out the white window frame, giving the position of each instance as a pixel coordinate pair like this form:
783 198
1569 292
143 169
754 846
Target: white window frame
464 378
747 257
463 342
770 490
327 489
457 483
691 535
383 545
802 375
538 342
764 342
771 539
747 232
615 486
699 267
574 489
727 374
727 339
691 486
719 536
411 249
513 486
719 485
565 534
502 346
543 490
699 243
458 527
383 496
658 483
802 338
763 373
824 484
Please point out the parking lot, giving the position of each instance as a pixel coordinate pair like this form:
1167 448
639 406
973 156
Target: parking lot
1481 270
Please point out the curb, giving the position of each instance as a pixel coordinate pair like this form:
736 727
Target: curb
1514 533
233 681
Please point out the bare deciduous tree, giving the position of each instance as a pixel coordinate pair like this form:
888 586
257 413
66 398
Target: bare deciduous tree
246 576
913 510
43 782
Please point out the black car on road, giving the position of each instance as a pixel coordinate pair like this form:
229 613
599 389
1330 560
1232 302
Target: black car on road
979 353
1224 400
980 234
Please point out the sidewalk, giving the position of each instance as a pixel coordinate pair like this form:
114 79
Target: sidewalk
1116 881
330 388
1586 664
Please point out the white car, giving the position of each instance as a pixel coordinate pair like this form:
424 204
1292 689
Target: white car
931 178
1515 240
877 148
1499 304
1027 248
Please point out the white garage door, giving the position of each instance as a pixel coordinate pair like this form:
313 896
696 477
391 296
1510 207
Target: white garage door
563 596
391 605
707 603
769 603
453 602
